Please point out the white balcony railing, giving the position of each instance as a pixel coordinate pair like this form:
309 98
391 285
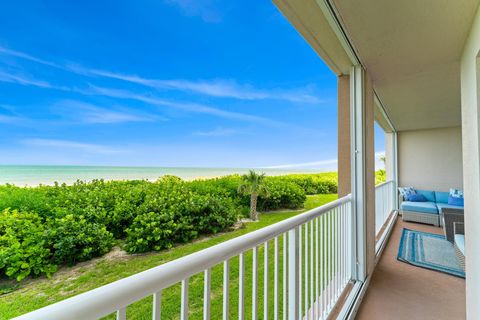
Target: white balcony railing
311 264
384 203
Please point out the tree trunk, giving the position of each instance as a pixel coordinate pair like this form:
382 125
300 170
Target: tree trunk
253 206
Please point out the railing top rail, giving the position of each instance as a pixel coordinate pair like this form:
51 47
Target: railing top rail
384 183
116 295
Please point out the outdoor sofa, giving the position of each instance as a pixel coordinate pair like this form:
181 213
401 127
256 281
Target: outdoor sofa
430 211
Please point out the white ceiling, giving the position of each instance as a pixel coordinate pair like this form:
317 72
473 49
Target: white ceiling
411 49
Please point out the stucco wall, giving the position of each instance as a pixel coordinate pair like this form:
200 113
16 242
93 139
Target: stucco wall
431 159
470 75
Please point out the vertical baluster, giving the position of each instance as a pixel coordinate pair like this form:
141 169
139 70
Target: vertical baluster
311 271
317 270
285 269
207 280
334 255
255 284
275 279
383 205
226 289
157 305
122 314
306 272
343 245
184 301
322 264
300 261
339 251
241 287
265 281
347 244
329 261
294 269
338 246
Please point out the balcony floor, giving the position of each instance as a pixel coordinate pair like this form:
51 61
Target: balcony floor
401 291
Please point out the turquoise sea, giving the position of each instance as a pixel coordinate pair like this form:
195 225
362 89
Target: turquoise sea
47 175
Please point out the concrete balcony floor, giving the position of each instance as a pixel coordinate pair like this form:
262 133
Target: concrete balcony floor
401 291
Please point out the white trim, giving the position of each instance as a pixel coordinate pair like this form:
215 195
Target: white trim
383 111
329 12
357 300
395 169
357 116
382 242
350 301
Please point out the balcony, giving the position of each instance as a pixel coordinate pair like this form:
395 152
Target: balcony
402 291
400 65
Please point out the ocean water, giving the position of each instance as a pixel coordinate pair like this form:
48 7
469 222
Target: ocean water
47 175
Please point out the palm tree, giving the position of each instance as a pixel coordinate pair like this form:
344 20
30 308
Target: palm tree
383 158
254 185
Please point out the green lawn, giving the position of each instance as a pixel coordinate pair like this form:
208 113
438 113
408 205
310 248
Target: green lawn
71 281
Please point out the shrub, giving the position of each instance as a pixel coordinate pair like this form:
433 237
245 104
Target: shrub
282 195
177 214
25 199
74 239
324 183
380 176
23 248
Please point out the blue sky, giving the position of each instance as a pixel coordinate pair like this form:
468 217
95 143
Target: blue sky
162 83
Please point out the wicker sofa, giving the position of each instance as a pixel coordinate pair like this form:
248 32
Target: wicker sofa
429 212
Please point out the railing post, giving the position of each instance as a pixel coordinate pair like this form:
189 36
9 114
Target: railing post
293 270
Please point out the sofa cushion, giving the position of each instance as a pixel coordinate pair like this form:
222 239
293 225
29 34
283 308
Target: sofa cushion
430 195
442 206
441 197
425 207
460 242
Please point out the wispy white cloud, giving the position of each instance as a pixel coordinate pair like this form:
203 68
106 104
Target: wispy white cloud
204 9
22 55
219 88
321 163
186 106
89 113
8 119
10 116
218 132
23 80
67 144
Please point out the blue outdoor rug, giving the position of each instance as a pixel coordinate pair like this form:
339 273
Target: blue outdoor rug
430 251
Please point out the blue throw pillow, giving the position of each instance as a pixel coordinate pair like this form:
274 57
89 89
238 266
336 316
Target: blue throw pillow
405 192
455 201
417 198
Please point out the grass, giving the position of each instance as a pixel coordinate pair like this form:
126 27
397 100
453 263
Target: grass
36 293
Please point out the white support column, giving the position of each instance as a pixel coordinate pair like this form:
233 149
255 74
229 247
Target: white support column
358 159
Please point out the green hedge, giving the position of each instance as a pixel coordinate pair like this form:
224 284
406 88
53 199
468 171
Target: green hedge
44 227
